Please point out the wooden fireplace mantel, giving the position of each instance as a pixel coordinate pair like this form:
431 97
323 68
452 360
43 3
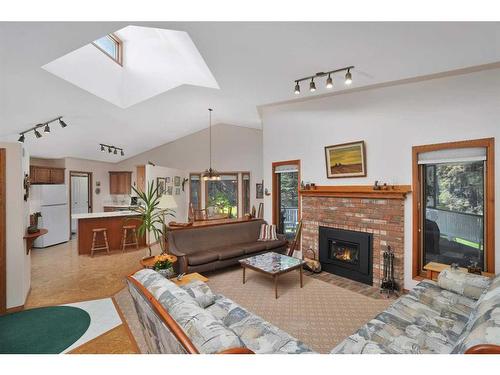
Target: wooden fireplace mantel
358 191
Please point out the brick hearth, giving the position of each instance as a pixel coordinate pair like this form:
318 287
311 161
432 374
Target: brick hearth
384 218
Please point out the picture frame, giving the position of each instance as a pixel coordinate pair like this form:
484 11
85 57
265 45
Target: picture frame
345 160
259 190
177 191
177 181
160 183
168 180
169 190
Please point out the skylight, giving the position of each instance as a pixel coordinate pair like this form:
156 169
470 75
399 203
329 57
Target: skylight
111 45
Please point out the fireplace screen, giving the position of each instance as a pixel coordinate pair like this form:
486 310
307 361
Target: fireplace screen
344 251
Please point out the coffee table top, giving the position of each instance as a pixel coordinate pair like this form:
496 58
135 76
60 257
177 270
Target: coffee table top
272 263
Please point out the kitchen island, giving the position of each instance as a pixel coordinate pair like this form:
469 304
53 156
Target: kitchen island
112 221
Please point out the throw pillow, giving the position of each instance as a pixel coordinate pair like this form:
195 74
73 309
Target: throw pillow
466 284
267 233
200 292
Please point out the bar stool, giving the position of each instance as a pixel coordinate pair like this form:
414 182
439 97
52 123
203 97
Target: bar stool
134 241
95 245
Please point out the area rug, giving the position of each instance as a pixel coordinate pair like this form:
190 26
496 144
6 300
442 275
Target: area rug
45 330
319 314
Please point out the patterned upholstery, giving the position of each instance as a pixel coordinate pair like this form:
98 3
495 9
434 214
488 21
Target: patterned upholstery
201 293
427 320
222 325
463 283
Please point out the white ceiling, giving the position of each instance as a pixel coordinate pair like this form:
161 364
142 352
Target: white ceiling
253 63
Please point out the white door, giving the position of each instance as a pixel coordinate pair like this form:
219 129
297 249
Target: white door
79 198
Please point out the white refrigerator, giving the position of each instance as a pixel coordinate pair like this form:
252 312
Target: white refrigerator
53 203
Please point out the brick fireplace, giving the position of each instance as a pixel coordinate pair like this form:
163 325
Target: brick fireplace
381 214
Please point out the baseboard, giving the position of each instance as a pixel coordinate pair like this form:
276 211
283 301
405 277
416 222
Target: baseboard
14 309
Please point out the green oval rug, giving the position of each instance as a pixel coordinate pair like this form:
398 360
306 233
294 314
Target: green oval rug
45 330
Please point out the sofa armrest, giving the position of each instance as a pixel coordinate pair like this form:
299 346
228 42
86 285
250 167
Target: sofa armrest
237 351
463 283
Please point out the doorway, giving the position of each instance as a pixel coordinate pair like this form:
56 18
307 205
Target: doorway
80 195
286 202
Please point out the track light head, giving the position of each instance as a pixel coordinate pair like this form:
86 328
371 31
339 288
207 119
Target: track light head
122 153
312 86
62 123
102 148
46 129
348 77
329 82
115 151
21 138
38 134
297 88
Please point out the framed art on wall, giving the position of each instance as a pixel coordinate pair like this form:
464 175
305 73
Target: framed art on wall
177 181
169 190
259 190
160 183
345 160
167 180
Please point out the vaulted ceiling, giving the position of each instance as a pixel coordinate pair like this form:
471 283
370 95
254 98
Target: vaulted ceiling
253 64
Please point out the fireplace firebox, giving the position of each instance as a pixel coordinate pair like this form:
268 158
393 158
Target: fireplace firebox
346 253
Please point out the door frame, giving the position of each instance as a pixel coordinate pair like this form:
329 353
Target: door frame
275 188
3 233
91 205
489 200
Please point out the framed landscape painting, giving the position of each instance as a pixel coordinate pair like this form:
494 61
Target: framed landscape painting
345 160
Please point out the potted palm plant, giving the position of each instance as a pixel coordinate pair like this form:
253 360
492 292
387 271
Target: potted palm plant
152 216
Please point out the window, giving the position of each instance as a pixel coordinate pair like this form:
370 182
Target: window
195 190
111 45
453 214
286 202
222 195
246 192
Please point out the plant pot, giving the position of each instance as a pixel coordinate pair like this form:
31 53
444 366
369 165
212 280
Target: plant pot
167 273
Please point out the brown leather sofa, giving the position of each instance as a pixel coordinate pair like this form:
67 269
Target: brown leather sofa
201 249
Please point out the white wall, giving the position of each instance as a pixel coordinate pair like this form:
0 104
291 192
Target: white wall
152 173
390 120
234 149
18 262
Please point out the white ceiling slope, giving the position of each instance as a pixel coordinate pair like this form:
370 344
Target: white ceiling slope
253 63
154 61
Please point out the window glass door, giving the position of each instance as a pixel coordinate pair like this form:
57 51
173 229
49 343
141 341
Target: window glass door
286 197
222 196
453 218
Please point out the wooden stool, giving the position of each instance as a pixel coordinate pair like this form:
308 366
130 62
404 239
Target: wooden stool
95 246
126 229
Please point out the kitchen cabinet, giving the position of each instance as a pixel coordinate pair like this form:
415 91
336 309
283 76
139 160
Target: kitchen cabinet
141 177
119 182
46 175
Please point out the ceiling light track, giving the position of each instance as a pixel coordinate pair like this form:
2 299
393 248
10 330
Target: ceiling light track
111 149
44 125
329 80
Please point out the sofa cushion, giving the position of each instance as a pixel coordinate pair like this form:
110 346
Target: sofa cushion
229 252
253 247
484 324
257 334
201 293
202 257
463 283
275 244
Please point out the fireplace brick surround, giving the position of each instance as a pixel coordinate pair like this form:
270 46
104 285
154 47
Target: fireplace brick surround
384 218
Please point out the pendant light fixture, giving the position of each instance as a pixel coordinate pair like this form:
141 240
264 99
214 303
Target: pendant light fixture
210 174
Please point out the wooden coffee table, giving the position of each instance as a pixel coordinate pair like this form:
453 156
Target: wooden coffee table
272 264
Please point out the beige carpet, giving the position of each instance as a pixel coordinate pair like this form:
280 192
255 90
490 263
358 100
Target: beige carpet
320 314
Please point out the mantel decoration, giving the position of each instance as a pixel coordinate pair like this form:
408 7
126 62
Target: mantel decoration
345 160
210 174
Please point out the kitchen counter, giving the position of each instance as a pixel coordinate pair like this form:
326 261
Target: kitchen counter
118 205
113 222
94 215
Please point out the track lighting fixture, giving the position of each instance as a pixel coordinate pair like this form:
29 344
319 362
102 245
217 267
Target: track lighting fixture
329 80
44 125
348 77
111 149
297 88
312 85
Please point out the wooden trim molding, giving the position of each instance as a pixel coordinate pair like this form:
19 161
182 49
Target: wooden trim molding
3 233
484 349
489 214
274 196
358 191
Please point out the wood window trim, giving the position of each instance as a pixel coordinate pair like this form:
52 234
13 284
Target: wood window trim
3 233
199 190
235 174
489 144
243 174
90 185
119 49
275 187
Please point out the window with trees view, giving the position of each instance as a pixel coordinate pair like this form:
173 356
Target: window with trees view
222 195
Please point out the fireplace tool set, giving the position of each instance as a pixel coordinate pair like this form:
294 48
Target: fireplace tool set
388 284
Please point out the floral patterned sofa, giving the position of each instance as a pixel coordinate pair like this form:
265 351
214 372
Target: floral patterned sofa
191 319
458 314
